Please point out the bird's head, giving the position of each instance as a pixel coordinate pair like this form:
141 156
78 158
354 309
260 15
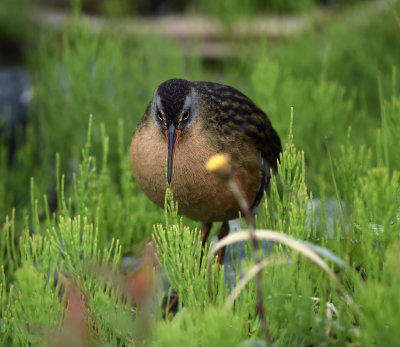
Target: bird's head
174 107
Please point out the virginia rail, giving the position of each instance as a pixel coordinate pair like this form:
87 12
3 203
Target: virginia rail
188 122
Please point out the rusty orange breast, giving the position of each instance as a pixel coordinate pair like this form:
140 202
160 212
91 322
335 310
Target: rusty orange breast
200 195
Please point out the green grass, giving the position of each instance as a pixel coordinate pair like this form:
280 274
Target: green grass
70 209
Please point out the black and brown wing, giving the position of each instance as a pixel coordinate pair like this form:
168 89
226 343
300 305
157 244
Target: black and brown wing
237 120
234 113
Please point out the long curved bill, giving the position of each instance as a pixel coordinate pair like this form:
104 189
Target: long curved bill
173 136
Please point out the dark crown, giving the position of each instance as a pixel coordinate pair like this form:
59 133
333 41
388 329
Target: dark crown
172 94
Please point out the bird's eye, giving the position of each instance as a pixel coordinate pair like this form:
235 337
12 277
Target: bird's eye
185 115
159 115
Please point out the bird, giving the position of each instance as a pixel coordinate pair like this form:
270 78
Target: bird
185 124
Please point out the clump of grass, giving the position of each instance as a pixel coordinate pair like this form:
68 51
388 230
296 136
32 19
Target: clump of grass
297 296
60 249
64 259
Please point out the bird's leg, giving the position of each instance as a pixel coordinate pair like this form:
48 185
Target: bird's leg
205 231
173 304
222 233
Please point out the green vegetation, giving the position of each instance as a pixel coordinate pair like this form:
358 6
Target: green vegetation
70 210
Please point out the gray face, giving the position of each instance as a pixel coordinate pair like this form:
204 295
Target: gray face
174 102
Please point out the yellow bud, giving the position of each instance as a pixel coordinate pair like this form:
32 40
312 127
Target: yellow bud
219 164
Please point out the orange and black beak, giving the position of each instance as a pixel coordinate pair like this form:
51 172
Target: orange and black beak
172 135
